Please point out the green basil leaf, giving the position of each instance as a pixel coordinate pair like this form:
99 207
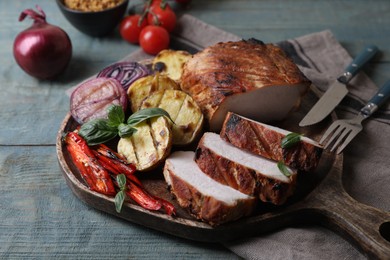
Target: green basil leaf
126 130
97 131
291 140
147 113
121 179
120 196
284 169
116 115
119 199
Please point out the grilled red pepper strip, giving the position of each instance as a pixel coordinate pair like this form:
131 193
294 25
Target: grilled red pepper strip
92 172
115 164
168 207
121 161
113 167
141 197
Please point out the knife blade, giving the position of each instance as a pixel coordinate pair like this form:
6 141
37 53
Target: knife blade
338 90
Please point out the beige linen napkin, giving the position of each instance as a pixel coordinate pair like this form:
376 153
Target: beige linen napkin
366 176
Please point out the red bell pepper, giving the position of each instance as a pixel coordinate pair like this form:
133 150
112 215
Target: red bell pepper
96 177
116 164
96 165
116 168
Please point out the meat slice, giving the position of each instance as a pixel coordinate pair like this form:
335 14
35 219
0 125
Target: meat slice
244 171
250 78
265 140
206 199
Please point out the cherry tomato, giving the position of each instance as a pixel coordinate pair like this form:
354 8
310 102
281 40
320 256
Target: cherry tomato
129 28
154 39
164 17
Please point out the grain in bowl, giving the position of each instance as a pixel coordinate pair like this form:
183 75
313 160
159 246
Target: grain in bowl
91 5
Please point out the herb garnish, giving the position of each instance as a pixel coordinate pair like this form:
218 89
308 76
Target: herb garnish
284 169
99 131
121 195
291 140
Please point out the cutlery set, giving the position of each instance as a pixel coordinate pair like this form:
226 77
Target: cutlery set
341 132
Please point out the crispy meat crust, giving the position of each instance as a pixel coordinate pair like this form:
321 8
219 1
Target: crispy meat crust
239 177
231 68
206 208
260 140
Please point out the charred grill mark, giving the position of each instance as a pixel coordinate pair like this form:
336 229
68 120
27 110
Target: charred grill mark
230 125
208 163
223 78
263 142
177 96
223 168
156 144
159 66
224 62
135 150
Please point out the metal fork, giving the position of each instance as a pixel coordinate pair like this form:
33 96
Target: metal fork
345 130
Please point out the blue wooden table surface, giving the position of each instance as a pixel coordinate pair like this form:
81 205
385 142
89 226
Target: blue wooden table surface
39 215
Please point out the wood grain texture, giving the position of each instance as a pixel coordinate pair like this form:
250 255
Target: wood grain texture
40 217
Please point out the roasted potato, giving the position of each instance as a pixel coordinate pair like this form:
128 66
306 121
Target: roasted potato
150 145
183 110
143 87
171 62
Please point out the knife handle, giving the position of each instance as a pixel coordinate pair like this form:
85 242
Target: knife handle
360 60
376 101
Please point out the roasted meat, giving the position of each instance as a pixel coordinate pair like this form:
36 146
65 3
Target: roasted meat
247 77
202 196
244 171
265 140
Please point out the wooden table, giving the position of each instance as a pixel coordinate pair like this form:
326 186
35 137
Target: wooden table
39 215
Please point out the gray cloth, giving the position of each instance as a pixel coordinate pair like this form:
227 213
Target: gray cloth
366 177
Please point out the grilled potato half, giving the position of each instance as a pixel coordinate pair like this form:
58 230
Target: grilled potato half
143 87
171 62
149 145
183 110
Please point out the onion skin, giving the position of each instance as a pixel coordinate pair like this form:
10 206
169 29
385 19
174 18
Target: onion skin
92 98
42 50
125 72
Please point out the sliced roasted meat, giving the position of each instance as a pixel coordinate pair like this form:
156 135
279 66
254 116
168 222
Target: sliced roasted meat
206 199
250 78
265 140
244 171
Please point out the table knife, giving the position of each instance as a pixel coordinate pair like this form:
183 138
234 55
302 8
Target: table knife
338 90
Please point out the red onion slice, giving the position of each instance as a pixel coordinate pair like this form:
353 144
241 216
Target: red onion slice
125 72
92 98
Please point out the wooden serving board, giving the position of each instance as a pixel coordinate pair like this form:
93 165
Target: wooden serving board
320 198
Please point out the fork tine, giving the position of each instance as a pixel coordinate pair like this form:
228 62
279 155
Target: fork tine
340 138
333 136
331 128
348 140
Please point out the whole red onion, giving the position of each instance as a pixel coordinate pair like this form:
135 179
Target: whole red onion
42 50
